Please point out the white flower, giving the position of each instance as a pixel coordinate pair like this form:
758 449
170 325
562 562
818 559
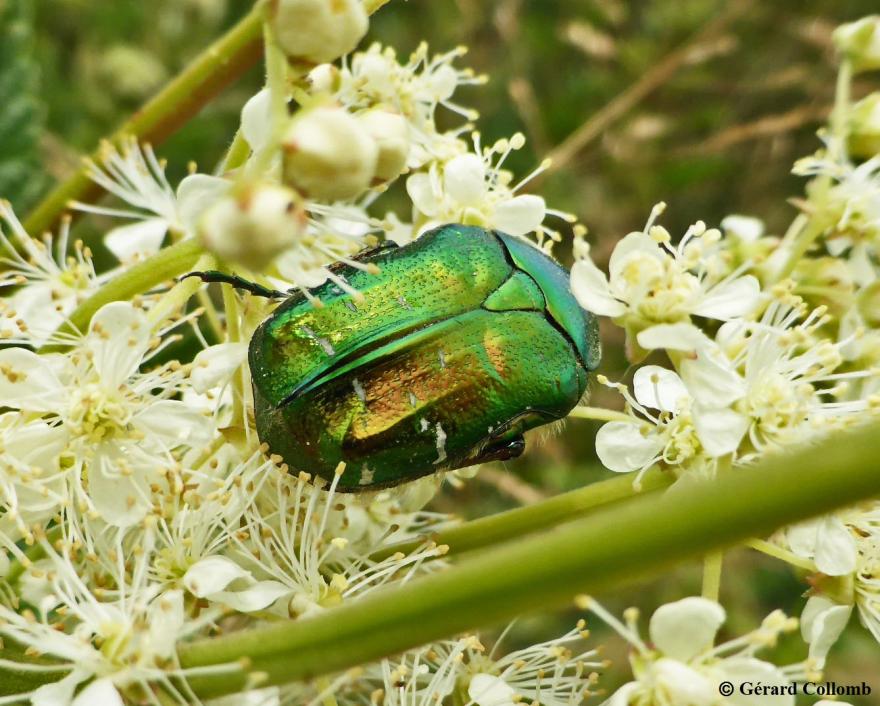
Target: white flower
473 188
762 386
683 667
50 282
822 622
318 30
827 541
253 224
660 427
134 175
328 154
116 426
652 282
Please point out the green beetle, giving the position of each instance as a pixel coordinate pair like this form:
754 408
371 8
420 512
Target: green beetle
464 340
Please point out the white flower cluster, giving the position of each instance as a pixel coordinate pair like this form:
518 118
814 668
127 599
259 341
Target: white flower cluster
771 343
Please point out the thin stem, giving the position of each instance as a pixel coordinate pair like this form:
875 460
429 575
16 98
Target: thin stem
630 540
236 155
214 69
778 552
233 335
164 265
486 531
176 297
600 414
712 564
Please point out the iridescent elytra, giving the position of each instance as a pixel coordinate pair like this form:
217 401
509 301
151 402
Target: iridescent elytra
464 339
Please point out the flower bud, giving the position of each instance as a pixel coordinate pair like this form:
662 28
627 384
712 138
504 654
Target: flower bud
328 155
860 42
319 31
253 224
390 131
325 78
864 127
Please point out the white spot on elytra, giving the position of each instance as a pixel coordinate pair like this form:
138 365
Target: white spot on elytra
359 390
404 303
413 400
441 444
423 423
350 305
323 342
366 475
442 357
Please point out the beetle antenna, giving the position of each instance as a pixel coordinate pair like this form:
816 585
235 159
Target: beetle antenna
257 290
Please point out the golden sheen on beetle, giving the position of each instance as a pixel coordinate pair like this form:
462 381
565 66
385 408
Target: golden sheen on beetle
464 340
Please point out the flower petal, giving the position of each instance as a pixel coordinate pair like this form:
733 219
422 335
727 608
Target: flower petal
835 553
256 119
731 299
118 338
711 379
214 365
748 669
28 383
720 430
421 192
635 243
464 179
674 337
121 499
173 422
685 628
590 287
622 447
490 690
256 597
100 691
822 622
165 621
138 240
195 194
59 693
658 388
519 215
212 574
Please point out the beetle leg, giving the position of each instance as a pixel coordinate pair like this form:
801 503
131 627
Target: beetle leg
501 450
257 290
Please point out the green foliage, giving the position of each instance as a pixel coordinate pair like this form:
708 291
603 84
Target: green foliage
20 110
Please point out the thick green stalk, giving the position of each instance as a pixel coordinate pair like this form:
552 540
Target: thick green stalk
628 540
214 69
167 263
520 521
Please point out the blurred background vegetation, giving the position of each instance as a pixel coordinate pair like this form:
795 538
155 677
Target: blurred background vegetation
704 104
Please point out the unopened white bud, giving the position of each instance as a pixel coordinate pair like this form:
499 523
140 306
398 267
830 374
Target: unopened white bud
864 127
328 155
390 131
860 42
324 78
253 224
318 30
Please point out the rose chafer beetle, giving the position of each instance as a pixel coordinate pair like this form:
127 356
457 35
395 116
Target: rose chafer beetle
464 340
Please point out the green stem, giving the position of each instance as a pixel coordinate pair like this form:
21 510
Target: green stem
164 265
214 69
630 540
712 564
493 529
